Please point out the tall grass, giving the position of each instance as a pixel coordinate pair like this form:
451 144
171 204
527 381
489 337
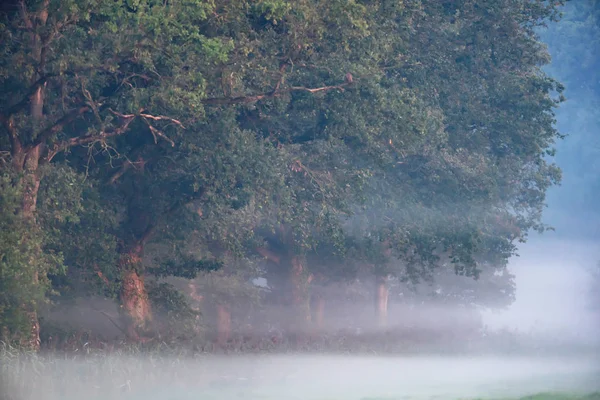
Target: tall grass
159 371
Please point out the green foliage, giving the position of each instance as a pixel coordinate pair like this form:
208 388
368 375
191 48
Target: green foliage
174 314
272 11
20 262
187 267
82 229
390 137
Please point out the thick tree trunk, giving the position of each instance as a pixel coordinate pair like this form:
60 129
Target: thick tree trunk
25 161
134 298
223 324
28 163
30 183
381 300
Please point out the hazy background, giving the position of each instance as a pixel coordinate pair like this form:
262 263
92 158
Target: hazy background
553 270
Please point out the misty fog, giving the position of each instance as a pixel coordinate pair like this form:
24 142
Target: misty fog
311 377
552 279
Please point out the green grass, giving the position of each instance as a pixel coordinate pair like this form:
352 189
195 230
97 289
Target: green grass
171 375
538 396
557 396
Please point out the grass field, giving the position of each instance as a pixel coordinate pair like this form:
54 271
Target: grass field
96 375
555 396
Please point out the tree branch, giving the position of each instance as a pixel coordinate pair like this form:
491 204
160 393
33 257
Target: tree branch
25 15
103 135
120 172
273 94
162 118
155 132
35 86
81 140
58 126
25 101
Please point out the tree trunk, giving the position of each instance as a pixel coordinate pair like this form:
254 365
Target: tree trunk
30 183
223 324
134 298
196 305
27 162
318 309
300 299
381 299
301 315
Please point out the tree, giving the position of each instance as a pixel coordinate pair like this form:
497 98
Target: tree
17 239
484 186
289 130
82 74
462 178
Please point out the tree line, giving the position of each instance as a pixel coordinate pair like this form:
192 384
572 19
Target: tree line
307 141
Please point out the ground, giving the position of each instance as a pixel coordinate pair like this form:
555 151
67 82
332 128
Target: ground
296 377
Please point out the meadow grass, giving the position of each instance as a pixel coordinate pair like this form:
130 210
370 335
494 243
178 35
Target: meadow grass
171 373
557 396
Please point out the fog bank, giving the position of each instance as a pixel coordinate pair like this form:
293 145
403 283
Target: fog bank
308 377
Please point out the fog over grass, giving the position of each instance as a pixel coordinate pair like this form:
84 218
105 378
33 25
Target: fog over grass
302 377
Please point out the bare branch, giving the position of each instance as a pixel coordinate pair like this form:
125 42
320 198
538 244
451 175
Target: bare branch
81 140
120 172
273 94
138 165
118 114
103 135
93 104
162 118
319 89
156 132
125 80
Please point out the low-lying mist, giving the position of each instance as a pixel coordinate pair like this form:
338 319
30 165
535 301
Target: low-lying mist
435 342
296 377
